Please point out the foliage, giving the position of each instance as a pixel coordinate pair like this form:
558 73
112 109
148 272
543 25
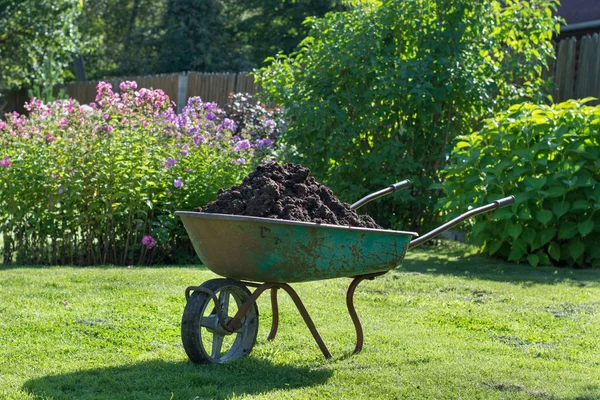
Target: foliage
197 37
455 327
98 185
267 27
549 158
38 40
149 37
129 36
377 94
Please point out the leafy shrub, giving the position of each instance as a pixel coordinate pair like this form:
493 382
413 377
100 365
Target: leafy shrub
99 184
549 158
377 94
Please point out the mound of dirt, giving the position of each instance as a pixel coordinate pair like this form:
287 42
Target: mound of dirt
286 192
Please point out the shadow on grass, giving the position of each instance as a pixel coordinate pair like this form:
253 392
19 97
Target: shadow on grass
176 380
100 267
450 259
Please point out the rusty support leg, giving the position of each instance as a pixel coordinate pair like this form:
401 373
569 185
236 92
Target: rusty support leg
275 308
236 322
352 310
307 320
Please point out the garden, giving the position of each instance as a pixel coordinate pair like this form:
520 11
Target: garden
94 261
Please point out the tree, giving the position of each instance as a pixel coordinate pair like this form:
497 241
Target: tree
378 93
268 27
197 37
38 42
128 34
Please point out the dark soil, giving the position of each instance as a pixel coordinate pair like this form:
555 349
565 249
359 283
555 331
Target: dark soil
286 192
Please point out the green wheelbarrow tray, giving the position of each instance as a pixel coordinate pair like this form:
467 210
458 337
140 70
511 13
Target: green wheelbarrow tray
220 319
271 250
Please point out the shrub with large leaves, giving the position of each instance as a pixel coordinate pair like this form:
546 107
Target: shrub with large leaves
549 158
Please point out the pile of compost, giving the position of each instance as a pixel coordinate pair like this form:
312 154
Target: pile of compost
286 192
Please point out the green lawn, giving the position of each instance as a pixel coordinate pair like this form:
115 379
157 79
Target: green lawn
442 326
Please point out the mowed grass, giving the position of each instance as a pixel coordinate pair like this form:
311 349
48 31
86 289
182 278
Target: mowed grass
442 326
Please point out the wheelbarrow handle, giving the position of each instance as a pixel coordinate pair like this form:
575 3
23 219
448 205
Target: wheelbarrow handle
507 201
390 189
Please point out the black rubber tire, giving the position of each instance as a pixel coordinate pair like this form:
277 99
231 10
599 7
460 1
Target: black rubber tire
195 314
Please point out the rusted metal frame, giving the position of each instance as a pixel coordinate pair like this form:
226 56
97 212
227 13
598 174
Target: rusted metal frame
352 310
476 211
235 323
275 314
213 296
274 307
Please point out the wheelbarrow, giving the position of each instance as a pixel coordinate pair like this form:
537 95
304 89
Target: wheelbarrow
220 319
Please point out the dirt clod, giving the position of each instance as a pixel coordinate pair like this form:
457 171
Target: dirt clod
286 192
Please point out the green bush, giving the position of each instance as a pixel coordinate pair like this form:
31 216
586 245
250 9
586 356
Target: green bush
548 157
97 185
377 94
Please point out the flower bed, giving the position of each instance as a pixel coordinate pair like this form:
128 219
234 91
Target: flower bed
99 183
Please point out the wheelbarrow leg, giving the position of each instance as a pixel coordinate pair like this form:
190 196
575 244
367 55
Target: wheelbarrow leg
235 323
352 310
275 308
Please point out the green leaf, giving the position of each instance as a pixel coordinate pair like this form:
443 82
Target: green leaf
547 235
494 247
544 259
533 259
556 191
585 227
535 183
503 213
544 216
554 251
576 248
517 250
561 208
581 205
525 213
479 227
514 230
568 230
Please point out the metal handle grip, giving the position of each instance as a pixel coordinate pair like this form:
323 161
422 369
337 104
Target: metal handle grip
507 201
400 185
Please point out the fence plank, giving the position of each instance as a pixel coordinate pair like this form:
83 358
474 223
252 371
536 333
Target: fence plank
565 69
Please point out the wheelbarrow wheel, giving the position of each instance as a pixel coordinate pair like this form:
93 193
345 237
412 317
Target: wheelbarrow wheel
204 339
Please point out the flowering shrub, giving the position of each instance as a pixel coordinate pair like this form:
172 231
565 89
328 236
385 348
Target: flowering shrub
99 184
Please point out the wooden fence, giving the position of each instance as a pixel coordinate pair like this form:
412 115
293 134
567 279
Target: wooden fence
178 86
576 72
577 68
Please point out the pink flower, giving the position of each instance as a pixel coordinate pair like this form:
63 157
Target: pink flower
148 241
50 138
178 183
5 162
63 122
128 85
